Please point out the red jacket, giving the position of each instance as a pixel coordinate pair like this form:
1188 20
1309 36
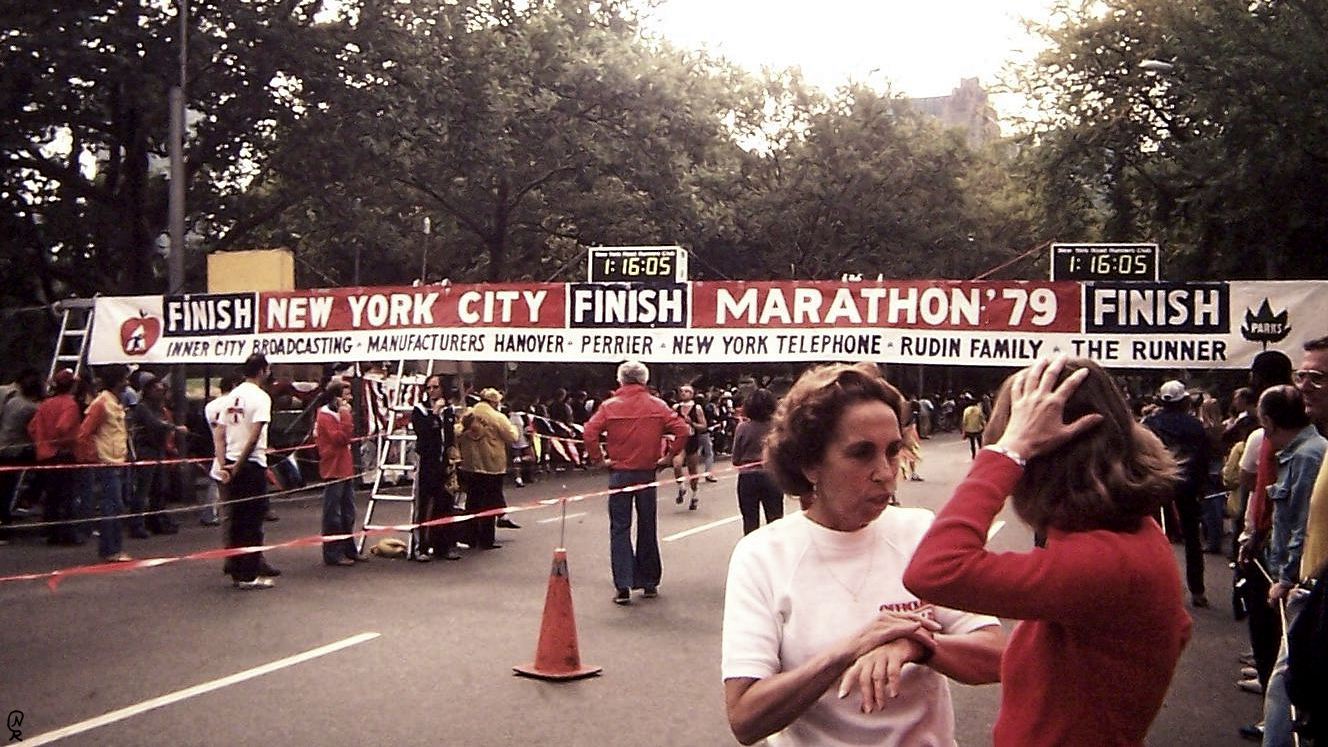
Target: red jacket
332 435
54 427
1103 623
635 423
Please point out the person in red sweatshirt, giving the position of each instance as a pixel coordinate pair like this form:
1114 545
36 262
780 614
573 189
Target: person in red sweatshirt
54 430
633 423
333 432
1103 621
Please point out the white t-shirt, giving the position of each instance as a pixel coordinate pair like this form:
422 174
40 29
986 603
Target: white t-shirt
518 421
245 408
1249 461
790 598
212 413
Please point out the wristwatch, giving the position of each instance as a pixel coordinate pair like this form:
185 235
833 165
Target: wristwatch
1008 454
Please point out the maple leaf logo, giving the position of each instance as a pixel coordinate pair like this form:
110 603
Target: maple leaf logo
1265 326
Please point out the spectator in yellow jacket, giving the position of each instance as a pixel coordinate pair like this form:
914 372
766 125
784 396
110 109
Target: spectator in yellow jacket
483 435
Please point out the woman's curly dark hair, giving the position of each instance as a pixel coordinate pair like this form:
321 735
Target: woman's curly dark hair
810 412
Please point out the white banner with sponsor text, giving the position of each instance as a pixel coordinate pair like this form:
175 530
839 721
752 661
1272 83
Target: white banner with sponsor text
999 323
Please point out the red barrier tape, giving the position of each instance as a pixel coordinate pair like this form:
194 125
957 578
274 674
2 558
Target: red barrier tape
35 467
54 578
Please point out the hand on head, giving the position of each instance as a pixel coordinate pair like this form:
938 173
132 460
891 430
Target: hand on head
1037 409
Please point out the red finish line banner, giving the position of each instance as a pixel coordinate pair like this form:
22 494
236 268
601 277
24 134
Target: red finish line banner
918 304
1148 325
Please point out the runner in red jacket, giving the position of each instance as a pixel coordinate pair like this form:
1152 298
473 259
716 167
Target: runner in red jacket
634 423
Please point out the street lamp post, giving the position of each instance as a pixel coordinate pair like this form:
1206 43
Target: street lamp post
175 260
1157 66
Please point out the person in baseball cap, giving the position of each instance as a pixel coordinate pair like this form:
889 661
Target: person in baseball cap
63 379
1185 437
1172 391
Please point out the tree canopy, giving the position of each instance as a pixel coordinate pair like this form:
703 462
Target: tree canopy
485 140
1199 125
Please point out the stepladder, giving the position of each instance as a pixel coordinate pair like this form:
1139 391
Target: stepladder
71 342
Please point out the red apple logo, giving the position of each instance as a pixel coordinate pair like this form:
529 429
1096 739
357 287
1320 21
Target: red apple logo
138 334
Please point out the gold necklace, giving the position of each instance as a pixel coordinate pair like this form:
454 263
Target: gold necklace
853 593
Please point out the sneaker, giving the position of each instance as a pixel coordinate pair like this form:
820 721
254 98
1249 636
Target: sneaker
422 557
624 596
1251 685
650 592
682 495
258 583
520 483
691 506
119 557
1249 673
711 478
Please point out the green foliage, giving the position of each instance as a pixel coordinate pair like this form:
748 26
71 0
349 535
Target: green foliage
1219 156
84 108
478 140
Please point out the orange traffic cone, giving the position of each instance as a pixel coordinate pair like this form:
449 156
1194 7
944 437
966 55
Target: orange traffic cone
557 656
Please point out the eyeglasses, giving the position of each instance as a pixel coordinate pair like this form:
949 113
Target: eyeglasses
1308 378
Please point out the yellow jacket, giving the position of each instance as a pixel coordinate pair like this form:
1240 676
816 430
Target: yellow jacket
974 419
102 436
483 435
1315 552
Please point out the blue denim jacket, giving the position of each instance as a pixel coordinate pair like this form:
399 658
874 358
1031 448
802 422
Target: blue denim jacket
1297 468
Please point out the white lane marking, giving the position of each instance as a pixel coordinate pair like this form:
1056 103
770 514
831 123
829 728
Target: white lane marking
190 692
552 519
702 528
994 529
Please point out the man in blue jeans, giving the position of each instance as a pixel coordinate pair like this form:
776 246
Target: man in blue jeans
1300 452
634 424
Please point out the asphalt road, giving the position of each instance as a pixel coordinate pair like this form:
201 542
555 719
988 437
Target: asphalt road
423 652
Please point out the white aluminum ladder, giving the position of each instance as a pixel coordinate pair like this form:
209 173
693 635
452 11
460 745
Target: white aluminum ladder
71 344
406 390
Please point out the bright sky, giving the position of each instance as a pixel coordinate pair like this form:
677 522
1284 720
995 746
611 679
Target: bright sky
923 47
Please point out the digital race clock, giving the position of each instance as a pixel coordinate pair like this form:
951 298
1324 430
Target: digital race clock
637 264
1104 262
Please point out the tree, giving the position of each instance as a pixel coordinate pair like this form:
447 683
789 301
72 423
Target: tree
523 131
859 182
85 116
1220 156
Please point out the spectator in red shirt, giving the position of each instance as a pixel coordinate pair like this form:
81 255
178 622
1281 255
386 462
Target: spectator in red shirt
633 423
53 429
1103 622
333 432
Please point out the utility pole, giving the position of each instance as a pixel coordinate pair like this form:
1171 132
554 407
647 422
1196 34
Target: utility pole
175 259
